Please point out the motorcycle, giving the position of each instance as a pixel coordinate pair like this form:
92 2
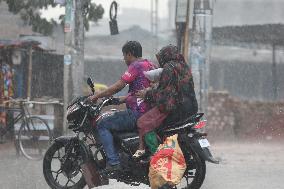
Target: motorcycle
62 163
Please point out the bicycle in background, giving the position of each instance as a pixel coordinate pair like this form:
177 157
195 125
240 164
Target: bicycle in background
33 135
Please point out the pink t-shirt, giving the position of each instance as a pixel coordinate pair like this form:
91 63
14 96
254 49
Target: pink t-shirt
136 79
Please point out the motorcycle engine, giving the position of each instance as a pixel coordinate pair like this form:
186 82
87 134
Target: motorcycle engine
131 167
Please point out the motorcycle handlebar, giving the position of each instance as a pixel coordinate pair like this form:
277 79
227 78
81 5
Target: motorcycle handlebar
105 102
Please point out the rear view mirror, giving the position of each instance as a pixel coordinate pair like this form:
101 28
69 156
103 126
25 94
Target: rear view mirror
91 84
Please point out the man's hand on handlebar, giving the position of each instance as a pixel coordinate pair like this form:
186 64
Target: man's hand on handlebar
92 99
112 101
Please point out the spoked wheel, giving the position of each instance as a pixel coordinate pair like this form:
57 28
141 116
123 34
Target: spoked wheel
195 172
61 166
34 138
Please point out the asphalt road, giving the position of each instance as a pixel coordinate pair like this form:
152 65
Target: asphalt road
243 166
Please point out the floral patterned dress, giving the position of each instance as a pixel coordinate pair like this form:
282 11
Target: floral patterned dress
173 100
175 92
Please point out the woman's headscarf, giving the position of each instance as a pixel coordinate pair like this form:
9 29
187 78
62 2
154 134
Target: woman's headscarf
169 53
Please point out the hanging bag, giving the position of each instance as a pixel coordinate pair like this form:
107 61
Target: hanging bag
167 166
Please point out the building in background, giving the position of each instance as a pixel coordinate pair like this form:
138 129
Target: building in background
13 28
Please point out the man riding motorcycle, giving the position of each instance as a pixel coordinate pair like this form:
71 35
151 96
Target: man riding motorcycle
124 120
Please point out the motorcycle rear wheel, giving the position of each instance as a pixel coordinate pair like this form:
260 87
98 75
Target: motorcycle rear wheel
69 175
195 172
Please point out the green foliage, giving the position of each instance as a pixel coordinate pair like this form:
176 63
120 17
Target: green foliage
29 12
95 12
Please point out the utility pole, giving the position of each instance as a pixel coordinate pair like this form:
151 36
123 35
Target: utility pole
68 51
154 21
274 73
185 45
154 17
73 52
30 49
200 49
182 26
78 55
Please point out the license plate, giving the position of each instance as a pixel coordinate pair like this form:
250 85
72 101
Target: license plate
204 143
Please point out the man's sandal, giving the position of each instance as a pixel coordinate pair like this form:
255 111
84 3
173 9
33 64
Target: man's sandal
138 153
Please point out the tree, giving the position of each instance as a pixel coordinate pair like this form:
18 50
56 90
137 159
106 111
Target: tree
30 14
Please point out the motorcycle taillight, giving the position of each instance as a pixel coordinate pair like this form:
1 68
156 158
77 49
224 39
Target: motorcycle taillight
200 124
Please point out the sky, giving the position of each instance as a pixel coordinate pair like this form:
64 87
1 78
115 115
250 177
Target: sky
226 12
137 4
122 4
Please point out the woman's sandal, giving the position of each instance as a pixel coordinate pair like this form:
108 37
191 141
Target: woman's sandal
138 153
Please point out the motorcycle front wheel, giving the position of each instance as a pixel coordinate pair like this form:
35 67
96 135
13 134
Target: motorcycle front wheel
61 166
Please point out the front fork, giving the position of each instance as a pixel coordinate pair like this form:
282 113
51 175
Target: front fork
70 143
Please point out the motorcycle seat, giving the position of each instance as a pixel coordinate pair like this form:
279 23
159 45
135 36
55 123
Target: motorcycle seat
191 121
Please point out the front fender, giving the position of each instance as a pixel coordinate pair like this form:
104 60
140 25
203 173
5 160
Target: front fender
64 139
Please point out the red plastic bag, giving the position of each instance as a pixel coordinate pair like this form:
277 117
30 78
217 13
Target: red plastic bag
168 164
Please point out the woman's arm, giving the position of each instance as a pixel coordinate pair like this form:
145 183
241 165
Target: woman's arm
164 83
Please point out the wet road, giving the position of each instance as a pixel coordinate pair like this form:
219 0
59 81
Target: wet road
243 166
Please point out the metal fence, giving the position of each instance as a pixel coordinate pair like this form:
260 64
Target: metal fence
248 80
